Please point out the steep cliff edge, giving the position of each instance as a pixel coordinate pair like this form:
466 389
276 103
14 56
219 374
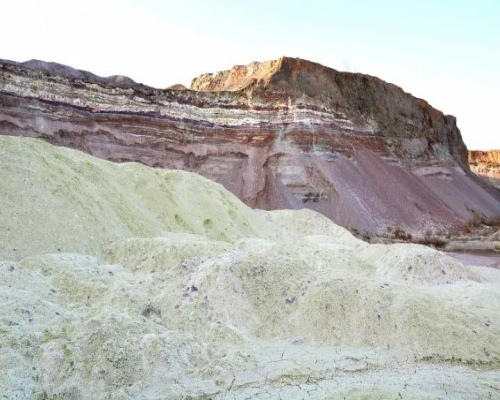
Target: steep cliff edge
280 134
376 107
486 164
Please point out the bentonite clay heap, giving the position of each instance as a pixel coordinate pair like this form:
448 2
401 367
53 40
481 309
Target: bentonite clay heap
116 282
280 134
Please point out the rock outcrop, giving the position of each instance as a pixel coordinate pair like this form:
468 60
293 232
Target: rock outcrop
281 134
487 165
117 282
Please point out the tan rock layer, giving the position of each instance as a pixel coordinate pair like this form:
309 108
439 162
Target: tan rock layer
281 134
491 157
486 164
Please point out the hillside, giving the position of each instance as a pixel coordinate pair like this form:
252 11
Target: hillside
282 134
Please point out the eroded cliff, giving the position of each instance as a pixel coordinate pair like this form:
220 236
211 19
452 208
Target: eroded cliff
287 133
487 165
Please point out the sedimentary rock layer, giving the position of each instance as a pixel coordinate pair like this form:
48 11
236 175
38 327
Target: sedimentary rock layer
486 164
281 134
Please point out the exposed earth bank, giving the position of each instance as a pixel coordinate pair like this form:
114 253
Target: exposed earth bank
287 133
487 165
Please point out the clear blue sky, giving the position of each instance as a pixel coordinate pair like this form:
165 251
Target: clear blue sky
447 52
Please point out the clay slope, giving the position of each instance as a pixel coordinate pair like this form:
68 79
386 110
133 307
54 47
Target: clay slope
281 134
487 165
149 292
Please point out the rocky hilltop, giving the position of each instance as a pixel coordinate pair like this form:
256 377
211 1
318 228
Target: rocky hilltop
487 165
280 134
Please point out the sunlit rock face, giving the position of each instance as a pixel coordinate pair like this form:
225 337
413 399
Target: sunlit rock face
486 164
280 134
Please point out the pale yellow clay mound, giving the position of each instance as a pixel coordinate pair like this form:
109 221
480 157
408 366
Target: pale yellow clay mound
167 287
60 200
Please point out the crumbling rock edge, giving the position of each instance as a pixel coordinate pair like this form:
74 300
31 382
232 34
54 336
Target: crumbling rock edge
486 164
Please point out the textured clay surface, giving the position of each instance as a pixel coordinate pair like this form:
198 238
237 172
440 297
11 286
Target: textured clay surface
120 281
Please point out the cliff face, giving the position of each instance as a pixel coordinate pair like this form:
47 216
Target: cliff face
487 165
280 134
360 104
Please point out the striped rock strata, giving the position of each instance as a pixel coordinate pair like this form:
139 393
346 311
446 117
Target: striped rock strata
280 134
486 164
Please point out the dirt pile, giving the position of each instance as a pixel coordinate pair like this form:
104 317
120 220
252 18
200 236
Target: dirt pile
59 200
259 304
